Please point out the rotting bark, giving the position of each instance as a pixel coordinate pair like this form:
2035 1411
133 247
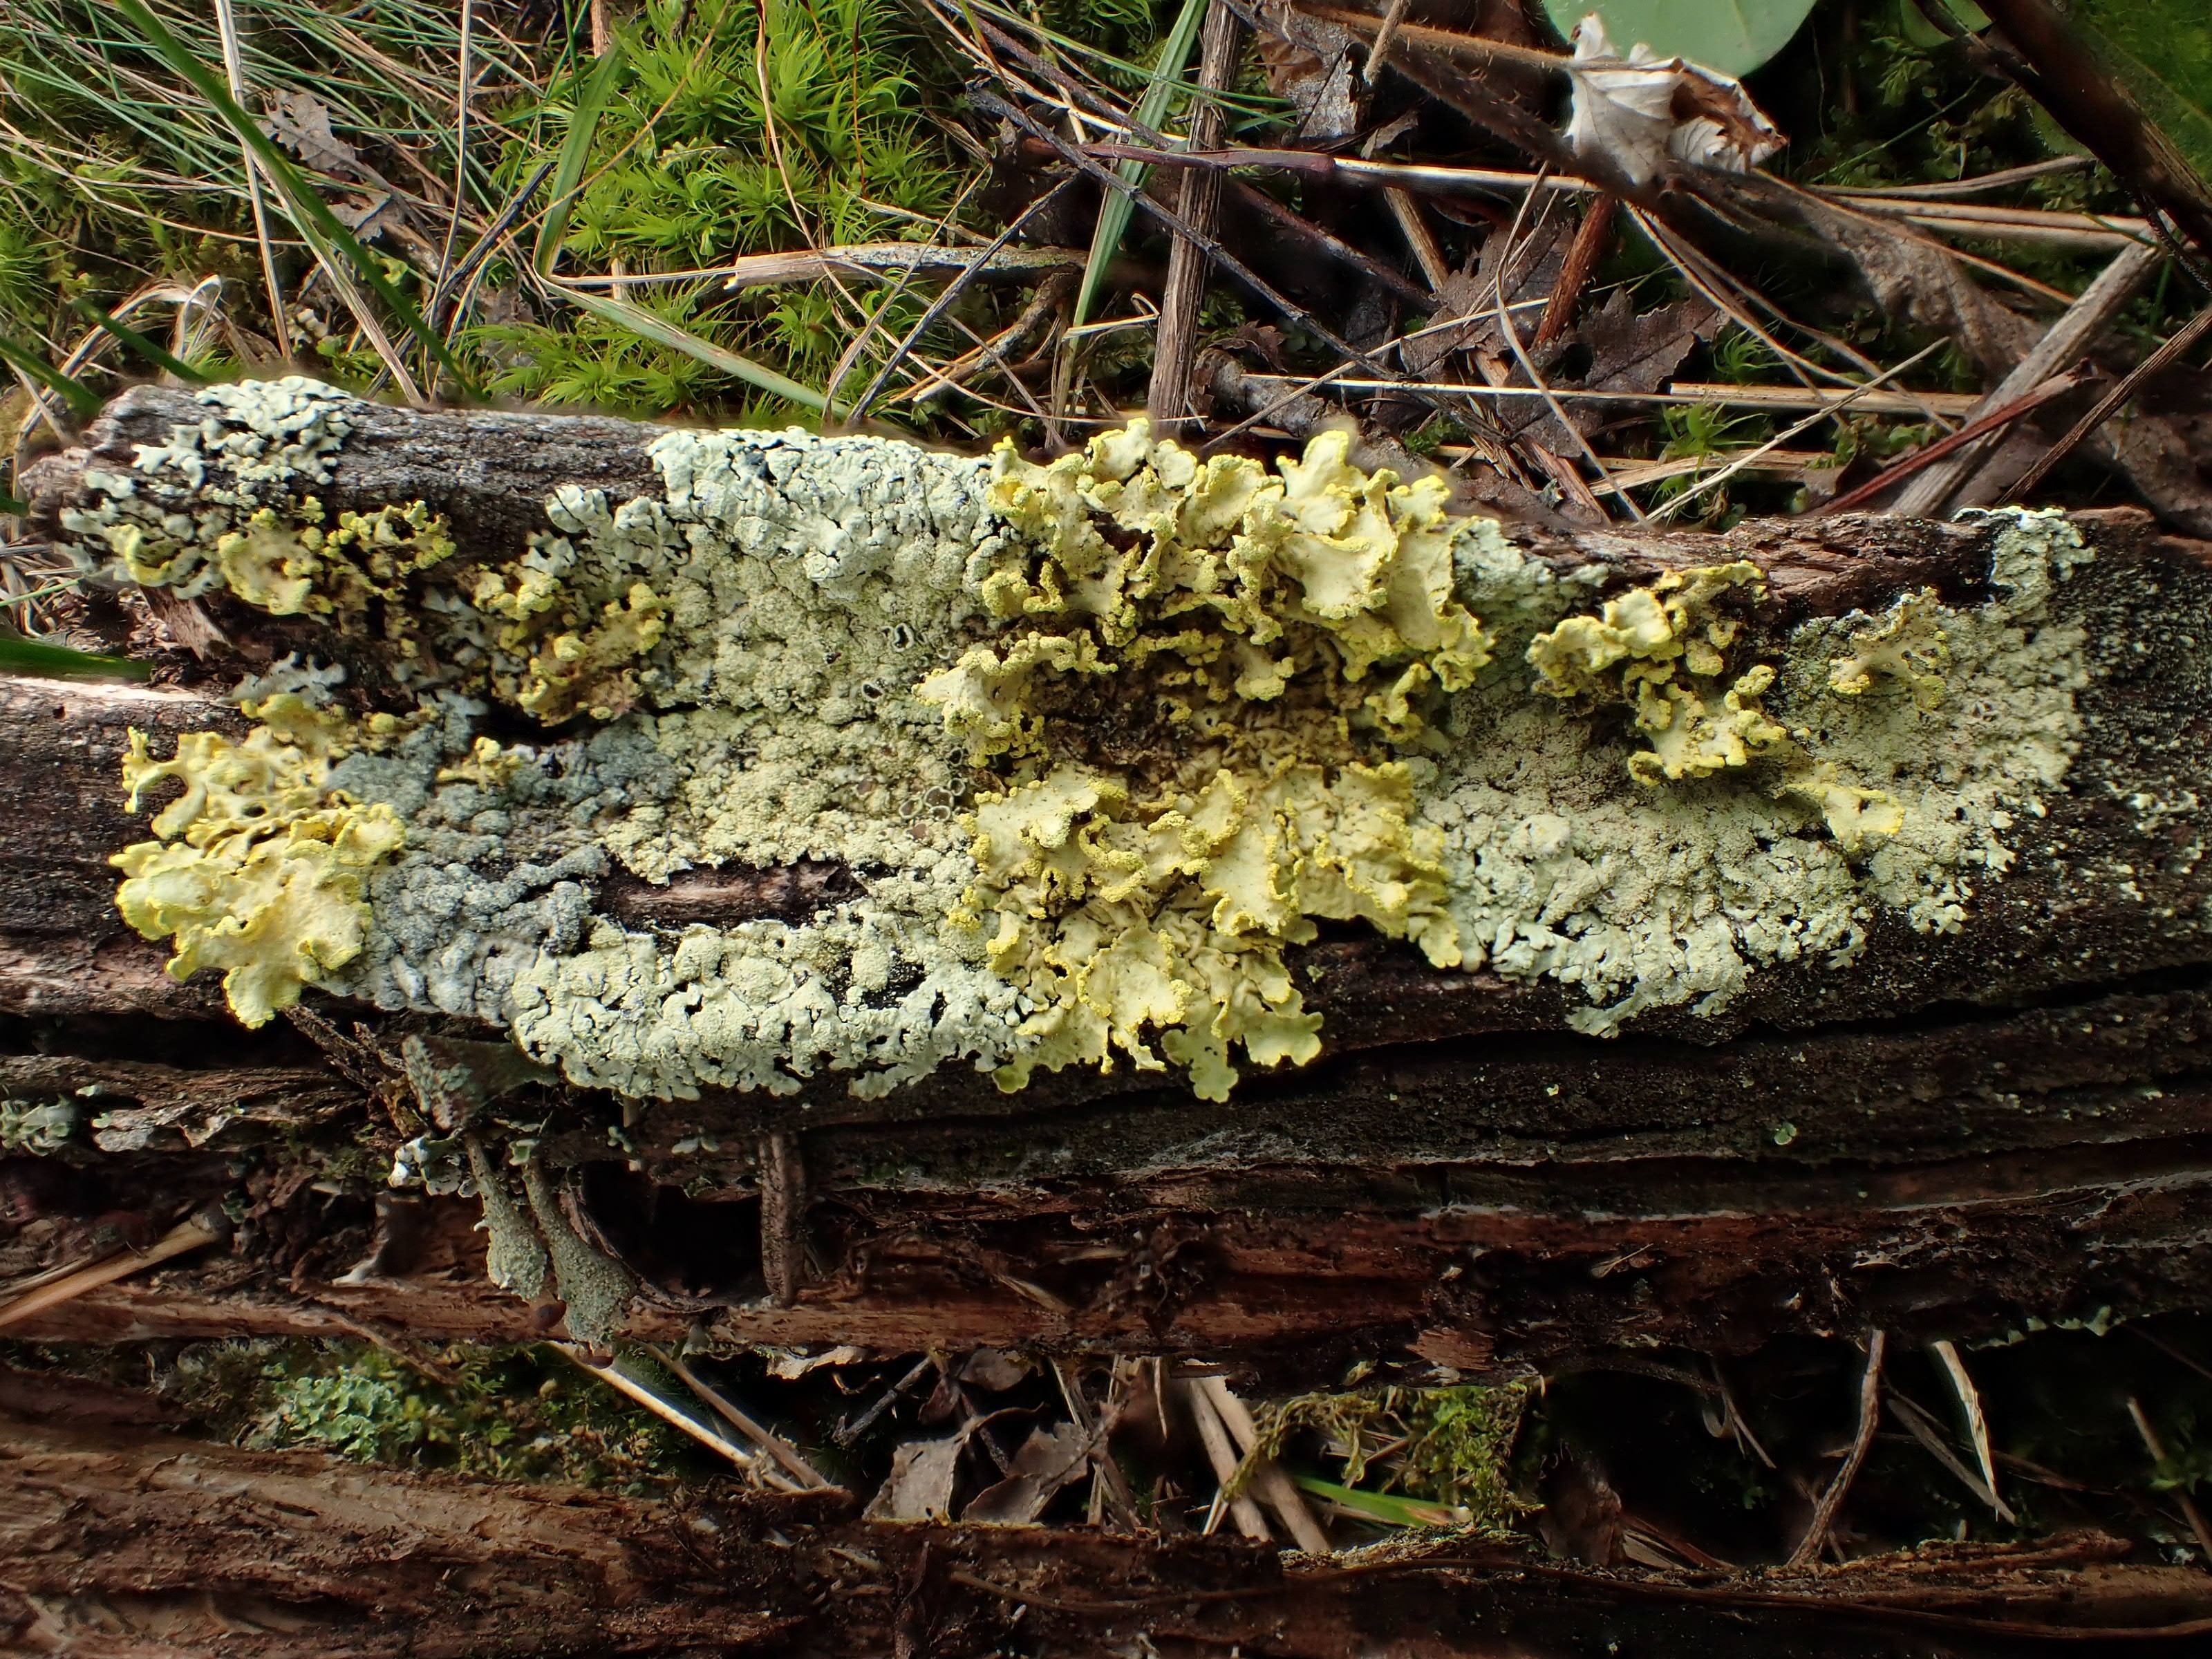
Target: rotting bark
1963 1131
129 1544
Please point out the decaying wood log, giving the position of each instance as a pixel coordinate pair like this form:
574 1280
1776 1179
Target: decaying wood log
1966 1094
1962 1128
129 1544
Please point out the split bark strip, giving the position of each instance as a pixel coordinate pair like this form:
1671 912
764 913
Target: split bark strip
188 1235
2166 355
1592 237
2068 338
783 1207
1213 1435
1198 199
1832 1500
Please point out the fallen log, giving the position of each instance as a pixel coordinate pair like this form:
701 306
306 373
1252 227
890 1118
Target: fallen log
125 1542
1725 1051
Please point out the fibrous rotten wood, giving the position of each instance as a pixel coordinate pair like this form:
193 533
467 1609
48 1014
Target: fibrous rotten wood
129 1544
1956 1131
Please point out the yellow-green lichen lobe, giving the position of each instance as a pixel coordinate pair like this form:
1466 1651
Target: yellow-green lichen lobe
258 868
1191 738
1643 898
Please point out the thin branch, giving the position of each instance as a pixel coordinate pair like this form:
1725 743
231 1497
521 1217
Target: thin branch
1824 1513
2184 337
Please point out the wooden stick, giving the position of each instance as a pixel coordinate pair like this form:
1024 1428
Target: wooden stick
1824 1514
1198 199
190 1234
2065 341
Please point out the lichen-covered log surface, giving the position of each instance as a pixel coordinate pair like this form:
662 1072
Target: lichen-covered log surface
1843 1002
129 1543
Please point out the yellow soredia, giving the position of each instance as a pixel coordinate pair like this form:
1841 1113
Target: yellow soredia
286 563
1660 649
1192 732
258 868
592 671
1908 646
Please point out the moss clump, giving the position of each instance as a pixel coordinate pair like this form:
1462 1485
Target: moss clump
1452 1447
258 867
1190 742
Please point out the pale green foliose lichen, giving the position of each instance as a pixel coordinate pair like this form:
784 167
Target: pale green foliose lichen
1101 741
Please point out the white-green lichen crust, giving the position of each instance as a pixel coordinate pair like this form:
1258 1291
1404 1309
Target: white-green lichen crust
1651 897
732 666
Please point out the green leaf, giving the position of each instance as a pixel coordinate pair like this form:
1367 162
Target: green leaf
1382 1506
659 330
317 225
1115 210
21 656
154 353
575 151
1914 25
2162 50
83 401
1734 37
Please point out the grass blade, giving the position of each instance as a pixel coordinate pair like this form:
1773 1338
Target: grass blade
1115 211
310 213
661 331
161 356
83 401
36 657
575 151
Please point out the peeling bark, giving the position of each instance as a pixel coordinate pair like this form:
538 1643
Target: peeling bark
132 1545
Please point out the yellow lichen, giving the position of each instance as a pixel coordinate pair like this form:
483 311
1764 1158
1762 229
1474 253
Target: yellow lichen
591 671
1908 646
1662 650
258 867
1192 770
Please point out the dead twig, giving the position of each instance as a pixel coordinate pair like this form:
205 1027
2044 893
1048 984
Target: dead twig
2190 1512
1592 237
762 1436
2184 337
2074 333
1198 199
2057 386
783 1209
1824 1513
205 1226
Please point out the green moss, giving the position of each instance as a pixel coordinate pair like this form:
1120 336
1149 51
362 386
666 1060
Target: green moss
1452 1447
